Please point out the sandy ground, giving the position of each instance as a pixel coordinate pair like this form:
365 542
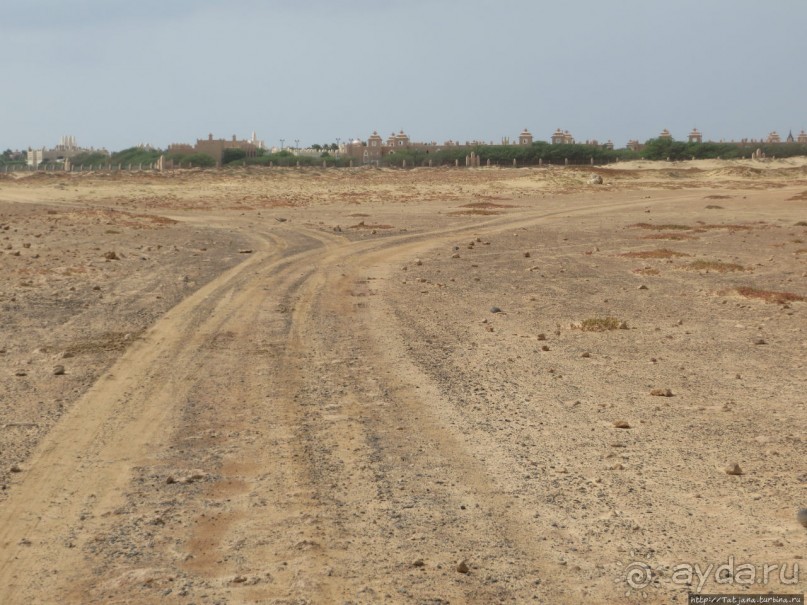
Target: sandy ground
376 386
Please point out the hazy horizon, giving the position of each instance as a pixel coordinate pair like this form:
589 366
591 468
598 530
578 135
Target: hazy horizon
115 75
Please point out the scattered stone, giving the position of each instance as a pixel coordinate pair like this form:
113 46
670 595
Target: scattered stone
280 219
622 424
545 348
455 256
58 370
595 179
170 480
801 516
642 287
111 255
760 341
418 262
419 563
586 354
734 469
661 393
15 468
463 567
245 251
541 336
20 373
495 310
337 229
526 255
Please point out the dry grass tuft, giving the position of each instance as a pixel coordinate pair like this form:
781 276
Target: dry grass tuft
770 296
486 205
671 236
646 271
713 265
666 227
797 197
600 324
363 225
475 212
660 253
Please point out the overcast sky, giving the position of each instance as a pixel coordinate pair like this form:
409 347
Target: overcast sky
115 73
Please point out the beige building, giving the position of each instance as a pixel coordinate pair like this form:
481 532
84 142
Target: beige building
562 137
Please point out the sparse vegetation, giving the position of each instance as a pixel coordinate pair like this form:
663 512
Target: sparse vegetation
646 271
670 236
713 265
600 324
770 296
660 253
665 227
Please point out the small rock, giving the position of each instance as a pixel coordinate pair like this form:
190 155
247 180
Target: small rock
280 219
760 341
419 563
526 255
734 469
20 373
801 516
642 287
58 370
463 567
337 229
541 336
495 310
595 179
15 468
661 393
111 255
545 348
418 262
622 424
170 480
455 256
586 355
245 251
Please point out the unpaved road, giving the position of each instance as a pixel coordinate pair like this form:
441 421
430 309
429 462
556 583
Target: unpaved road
305 429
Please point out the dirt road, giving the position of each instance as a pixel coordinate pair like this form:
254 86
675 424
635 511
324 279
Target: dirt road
279 437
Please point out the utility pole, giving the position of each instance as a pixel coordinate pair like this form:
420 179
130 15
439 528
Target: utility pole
281 144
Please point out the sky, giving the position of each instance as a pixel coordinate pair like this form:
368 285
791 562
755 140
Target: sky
118 73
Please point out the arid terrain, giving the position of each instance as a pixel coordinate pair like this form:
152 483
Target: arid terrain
429 386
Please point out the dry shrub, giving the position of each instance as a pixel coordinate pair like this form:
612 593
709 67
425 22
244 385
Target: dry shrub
801 224
363 225
770 296
475 212
797 197
665 227
717 197
660 253
486 205
600 324
671 236
713 265
647 271
729 227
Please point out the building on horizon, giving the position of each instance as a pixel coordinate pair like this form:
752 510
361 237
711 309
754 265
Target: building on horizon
215 147
65 150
